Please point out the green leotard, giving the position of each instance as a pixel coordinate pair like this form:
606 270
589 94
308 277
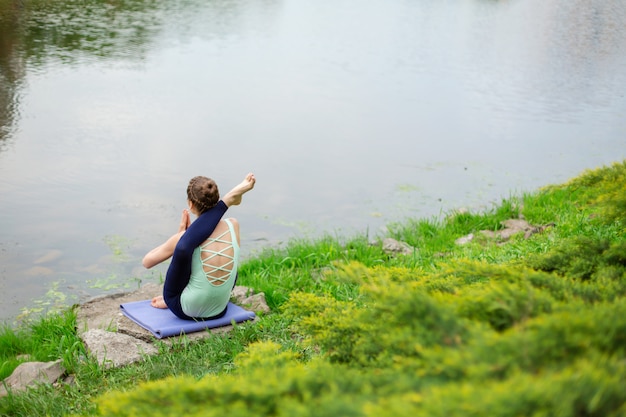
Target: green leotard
202 297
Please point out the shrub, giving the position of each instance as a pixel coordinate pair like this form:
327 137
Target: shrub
589 387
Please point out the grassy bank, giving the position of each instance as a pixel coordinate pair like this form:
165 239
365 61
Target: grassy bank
530 325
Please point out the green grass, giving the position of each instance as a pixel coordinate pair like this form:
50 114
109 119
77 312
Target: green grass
531 326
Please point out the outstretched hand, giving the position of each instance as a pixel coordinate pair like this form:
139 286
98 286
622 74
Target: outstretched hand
185 221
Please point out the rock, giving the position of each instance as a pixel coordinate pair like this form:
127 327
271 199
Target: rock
465 239
539 229
246 298
38 271
505 234
103 312
518 225
256 303
393 246
511 228
115 340
29 374
515 226
52 255
128 327
241 293
488 233
68 380
116 349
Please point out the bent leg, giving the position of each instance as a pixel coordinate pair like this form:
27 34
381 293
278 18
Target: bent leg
234 196
179 271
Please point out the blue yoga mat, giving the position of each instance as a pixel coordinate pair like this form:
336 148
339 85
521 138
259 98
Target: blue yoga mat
161 322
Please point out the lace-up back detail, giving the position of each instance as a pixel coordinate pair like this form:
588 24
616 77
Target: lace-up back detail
218 256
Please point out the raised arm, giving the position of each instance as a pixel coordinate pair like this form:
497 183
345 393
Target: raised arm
162 252
165 250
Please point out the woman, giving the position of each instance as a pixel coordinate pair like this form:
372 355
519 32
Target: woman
205 253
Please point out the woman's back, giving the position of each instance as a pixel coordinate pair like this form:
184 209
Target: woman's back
213 272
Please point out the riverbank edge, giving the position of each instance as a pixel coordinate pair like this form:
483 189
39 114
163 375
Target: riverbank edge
307 246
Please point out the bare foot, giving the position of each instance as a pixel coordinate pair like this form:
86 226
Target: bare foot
234 196
158 302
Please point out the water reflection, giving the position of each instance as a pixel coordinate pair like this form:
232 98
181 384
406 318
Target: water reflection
11 67
72 32
352 113
35 33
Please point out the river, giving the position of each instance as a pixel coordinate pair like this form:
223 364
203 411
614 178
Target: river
352 114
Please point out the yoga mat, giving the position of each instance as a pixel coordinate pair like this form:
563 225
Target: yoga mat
161 322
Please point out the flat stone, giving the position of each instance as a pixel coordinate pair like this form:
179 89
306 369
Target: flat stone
29 374
519 225
256 303
37 271
240 292
511 228
104 312
113 349
488 233
391 245
506 234
52 255
115 340
463 240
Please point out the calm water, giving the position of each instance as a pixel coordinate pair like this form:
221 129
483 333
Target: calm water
352 114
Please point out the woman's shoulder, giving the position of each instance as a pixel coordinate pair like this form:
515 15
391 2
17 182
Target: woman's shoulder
235 224
233 221
222 226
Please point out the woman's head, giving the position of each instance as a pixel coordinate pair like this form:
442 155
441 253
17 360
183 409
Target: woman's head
202 192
